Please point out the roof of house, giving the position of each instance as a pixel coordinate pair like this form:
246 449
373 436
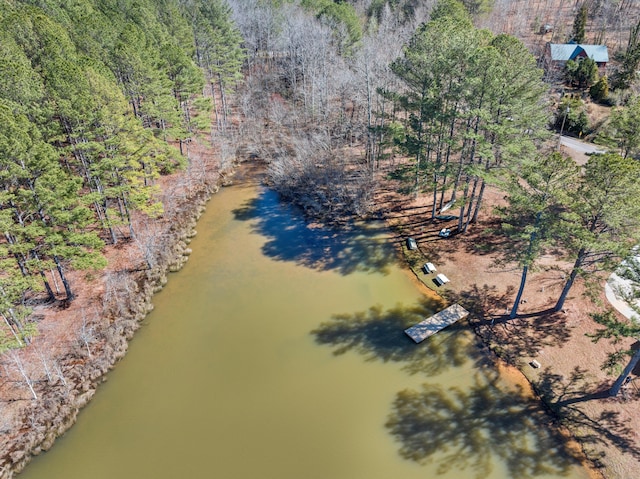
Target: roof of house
569 51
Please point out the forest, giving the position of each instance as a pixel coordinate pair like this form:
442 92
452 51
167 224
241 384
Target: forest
102 99
98 100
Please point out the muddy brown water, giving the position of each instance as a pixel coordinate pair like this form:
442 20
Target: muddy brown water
278 353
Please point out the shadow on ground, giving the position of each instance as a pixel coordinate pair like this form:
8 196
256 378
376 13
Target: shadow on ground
566 396
523 336
289 237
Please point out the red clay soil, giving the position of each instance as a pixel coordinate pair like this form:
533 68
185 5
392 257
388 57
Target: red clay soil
570 379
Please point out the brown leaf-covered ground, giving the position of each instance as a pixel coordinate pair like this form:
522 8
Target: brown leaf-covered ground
570 379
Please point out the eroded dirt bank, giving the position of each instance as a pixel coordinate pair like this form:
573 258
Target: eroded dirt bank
81 341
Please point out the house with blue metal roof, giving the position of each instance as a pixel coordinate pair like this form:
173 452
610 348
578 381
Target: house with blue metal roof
557 54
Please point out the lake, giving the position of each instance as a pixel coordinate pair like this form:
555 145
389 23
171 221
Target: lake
278 352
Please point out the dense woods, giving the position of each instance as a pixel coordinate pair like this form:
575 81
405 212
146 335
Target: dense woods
98 99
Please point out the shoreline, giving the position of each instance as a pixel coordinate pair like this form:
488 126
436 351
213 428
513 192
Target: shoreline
511 373
58 417
57 408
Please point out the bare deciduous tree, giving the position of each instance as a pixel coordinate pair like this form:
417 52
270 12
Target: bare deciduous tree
20 366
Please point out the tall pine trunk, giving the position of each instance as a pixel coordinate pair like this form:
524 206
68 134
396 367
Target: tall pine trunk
474 219
523 281
615 389
464 203
65 281
50 294
525 268
572 277
471 201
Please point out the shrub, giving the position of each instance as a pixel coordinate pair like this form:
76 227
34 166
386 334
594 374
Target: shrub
600 90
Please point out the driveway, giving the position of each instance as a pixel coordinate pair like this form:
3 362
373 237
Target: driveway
578 150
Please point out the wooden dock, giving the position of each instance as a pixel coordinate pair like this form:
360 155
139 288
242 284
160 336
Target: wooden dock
437 322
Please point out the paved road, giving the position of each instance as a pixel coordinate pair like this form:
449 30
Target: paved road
580 146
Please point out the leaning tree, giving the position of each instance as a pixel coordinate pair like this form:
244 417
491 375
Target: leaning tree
616 331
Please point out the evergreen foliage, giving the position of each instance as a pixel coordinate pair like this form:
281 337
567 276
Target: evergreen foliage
472 106
570 116
616 331
583 73
478 7
604 216
451 9
624 128
342 18
600 90
538 194
579 24
93 94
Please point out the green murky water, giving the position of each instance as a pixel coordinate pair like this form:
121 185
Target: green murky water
278 353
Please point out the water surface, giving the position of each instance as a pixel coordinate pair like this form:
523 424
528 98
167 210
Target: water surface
278 353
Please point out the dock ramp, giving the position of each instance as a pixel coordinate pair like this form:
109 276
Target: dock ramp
437 322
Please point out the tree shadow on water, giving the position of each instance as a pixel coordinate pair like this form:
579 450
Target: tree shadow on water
289 237
378 335
459 429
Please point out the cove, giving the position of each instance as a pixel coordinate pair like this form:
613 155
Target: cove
278 352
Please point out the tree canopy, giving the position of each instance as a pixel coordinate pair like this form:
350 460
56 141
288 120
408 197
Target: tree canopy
93 96
471 106
579 24
603 216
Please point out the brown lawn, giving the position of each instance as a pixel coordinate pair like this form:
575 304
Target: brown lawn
570 379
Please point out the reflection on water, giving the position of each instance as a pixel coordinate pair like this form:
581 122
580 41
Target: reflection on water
278 352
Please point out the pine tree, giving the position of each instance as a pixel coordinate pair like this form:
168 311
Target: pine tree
218 50
433 69
579 24
474 105
624 127
616 331
604 221
91 92
537 195
600 90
